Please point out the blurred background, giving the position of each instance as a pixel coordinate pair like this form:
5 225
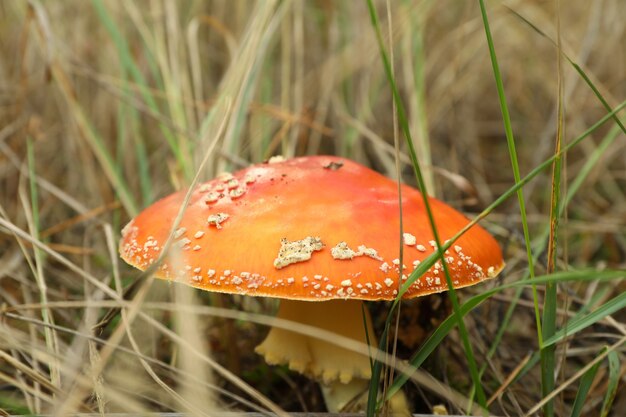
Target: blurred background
106 106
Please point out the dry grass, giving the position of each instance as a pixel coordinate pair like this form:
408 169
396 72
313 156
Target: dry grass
105 106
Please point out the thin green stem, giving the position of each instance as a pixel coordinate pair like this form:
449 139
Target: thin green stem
508 130
404 125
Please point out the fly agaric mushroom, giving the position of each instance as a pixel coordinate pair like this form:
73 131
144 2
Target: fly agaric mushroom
320 233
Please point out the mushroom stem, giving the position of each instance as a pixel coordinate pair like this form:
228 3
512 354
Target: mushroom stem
343 397
344 374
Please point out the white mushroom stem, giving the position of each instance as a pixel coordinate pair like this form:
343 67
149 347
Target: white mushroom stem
345 374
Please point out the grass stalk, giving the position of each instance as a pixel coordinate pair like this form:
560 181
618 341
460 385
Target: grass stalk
427 263
50 336
548 353
403 121
510 139
128 62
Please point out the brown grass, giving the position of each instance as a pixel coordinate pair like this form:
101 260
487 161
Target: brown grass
288 78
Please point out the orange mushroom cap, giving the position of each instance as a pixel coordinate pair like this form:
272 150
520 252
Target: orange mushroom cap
311 228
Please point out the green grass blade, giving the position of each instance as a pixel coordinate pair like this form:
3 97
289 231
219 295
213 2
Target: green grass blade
95 142
583 390
578 323
104 157
590 163
39 273
129 64
576 66
548 353
430 260
614 378
448 324
128 122
404 125
508 130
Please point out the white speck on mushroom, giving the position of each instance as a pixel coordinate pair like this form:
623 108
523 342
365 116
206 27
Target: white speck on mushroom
232 183
396 262
372 253
217 219
237 192
409 239
491 272
179 232
432 243
183 242
276 159
421 248
437 281
211 273
317 286
249 179
150 244
236 280
346 283
198 234
342 251
416 263
457 248
196 278
227 272
204 188
318 277
340 292
290 280
388 282
385 267
329 287
296 251
253 285
197 247
305 279
212 197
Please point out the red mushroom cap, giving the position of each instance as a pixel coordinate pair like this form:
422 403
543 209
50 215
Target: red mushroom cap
311 228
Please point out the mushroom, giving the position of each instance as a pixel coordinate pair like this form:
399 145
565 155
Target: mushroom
321 234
